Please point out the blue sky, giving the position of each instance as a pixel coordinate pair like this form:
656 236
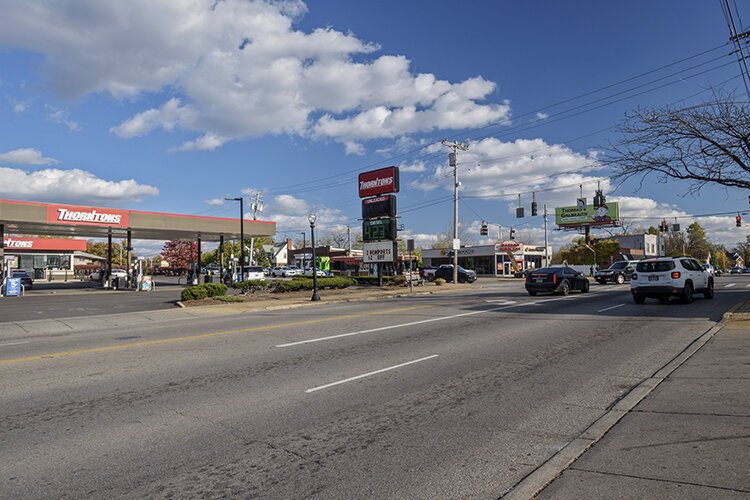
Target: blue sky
172 106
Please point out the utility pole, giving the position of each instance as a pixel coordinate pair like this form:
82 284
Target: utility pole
256 207
348 241
546 257
453 162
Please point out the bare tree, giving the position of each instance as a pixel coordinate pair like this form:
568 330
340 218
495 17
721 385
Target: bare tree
704 144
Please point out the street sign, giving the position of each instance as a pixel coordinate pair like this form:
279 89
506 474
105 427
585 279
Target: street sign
379 229
379 252
410 246
380 206
456 244
13 287
381 181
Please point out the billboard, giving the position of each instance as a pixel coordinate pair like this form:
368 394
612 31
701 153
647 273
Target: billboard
379 251
381 181
587 215
380 206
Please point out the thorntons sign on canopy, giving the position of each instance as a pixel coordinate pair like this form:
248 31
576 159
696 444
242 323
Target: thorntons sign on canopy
65 214
381 181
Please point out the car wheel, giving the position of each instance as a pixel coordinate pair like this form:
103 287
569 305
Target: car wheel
585 287
620 279
430 278
565 288
532 293
638 298
709 293
687 294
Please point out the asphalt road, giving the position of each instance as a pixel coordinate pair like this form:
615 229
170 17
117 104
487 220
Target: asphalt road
449 396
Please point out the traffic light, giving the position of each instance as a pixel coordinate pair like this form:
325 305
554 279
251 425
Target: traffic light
483 229
512 234
533 209
738 220
519 213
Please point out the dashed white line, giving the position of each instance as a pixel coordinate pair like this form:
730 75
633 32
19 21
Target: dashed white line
730 285
412 323
609 308
747 286
370 373
14 343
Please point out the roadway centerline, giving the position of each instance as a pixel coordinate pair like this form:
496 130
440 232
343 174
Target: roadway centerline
14 343
199 336
369 374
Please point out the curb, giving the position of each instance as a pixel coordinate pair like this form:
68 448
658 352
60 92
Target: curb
538 479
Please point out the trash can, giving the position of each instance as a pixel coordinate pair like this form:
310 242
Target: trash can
208 278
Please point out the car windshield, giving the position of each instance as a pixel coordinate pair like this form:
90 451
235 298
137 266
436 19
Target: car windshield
655 266
619 265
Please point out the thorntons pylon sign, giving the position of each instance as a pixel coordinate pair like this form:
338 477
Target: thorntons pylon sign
375 182
66 214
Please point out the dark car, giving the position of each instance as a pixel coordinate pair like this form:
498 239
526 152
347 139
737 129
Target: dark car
464 275
560 280
619 272
26 280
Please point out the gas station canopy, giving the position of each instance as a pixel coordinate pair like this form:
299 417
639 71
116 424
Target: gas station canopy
53 219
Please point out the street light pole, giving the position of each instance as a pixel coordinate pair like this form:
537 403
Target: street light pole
242 235
312 218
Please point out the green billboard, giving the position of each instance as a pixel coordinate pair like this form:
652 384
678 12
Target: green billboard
580 216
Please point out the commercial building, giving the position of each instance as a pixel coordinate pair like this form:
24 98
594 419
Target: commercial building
501 259
54 219
640 246
51 258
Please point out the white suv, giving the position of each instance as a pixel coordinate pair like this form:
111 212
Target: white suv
668 277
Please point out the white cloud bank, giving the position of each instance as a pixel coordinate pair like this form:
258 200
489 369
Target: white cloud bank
239 69
72 186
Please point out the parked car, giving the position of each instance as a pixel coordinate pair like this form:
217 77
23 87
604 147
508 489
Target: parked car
736 270
116 273
285 272
619 272
428 273
26 280
211 269
560 280
668 277
319 272
254 273
464 275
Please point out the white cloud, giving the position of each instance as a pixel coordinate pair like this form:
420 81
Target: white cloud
354 148
416 167
61 117
20 107
73 186
542 116
27 156
215 202
238 69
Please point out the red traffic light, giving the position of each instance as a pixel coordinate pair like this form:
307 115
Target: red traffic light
738 220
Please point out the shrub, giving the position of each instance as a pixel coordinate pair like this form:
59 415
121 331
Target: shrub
307 284
371 280
440 282
204 290
251 286
229 298
399 280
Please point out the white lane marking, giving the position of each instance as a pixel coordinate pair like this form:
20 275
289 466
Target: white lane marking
14 343
747 286
501 302
609 308
412 323
730 285
370 374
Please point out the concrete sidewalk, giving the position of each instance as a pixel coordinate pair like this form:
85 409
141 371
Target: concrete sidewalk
689 438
